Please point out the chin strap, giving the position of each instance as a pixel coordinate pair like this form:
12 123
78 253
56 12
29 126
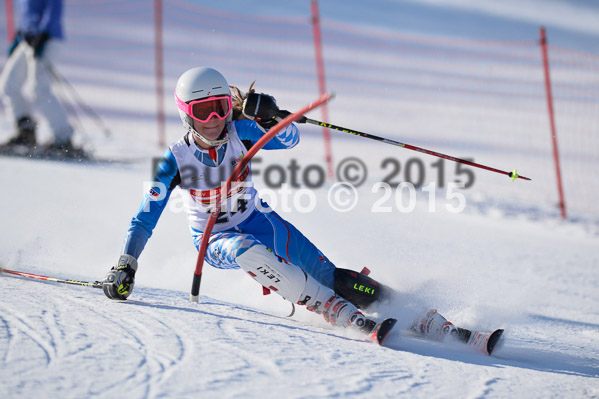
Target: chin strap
212 143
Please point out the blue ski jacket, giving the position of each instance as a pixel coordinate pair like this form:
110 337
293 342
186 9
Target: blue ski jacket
37 16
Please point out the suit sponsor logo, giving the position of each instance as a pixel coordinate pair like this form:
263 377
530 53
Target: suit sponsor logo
364 289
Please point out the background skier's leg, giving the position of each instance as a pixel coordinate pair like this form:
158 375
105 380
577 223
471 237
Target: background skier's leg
12 83
48 104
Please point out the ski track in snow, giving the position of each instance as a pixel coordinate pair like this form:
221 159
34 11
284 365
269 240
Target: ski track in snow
160 345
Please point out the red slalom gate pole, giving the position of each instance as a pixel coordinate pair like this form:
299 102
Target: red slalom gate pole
159 72
562 203
10 23
224 190
321 84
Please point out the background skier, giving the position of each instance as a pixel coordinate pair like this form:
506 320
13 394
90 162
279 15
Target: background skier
35 50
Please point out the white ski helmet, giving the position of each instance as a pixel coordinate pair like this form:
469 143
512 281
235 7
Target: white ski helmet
201 83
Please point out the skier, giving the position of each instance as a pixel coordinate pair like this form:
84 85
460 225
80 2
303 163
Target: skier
32 54
247 234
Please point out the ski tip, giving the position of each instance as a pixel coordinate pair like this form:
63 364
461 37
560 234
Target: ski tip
384 329
493 340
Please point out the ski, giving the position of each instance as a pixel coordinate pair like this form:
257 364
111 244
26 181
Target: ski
38 152
74 156
436 327
482 341
382 330
485 341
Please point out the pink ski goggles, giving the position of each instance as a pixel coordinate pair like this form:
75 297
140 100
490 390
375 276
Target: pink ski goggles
202 110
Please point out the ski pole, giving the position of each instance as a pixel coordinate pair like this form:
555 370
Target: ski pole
71 109
94 284
289 118
61 79
513 174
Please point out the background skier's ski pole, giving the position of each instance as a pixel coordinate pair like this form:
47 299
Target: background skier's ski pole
78 100
289 118
94 284
513 174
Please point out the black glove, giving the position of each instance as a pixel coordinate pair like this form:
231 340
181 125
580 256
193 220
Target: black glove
119 281
38 43
261 108
27 36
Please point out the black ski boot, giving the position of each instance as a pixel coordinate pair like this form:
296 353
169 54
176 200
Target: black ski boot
65 150
360 323
25 133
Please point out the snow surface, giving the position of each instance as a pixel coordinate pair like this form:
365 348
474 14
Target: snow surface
490 265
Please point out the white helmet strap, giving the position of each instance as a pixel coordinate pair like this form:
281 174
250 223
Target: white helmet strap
211 143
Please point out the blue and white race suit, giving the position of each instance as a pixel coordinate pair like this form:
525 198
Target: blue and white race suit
246 220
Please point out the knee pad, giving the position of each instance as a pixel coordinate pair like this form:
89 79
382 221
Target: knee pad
359 289
273 272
